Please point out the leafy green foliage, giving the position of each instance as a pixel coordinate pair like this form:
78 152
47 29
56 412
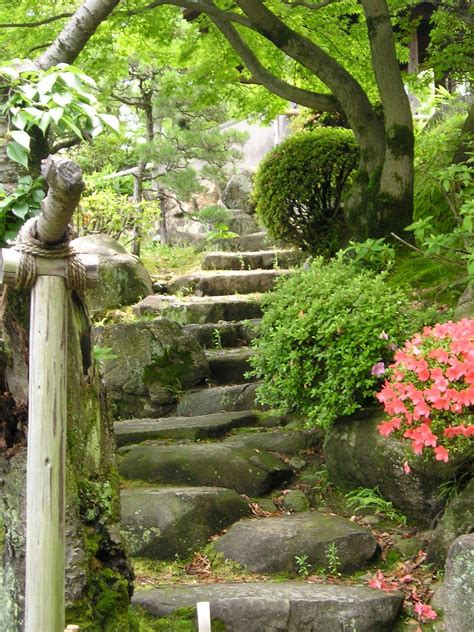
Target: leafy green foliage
375 254
299 188
455 246
434 151
22 202
323 331
105 211
52 104
370 499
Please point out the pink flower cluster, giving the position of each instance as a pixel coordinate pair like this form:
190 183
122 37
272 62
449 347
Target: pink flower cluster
429 394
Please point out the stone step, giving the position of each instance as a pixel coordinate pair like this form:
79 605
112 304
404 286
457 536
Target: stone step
206 401
287 442
131 431
281 607
200 310
247 243
229 366
246 470
256 260
225 334
161 523
219 283
271 545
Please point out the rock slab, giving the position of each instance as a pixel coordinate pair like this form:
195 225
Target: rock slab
356 455
163 523
132 431
270 545
282 607
458 588
245 470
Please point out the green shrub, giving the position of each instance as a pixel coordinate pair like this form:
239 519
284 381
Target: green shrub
299 186
324 330
434 151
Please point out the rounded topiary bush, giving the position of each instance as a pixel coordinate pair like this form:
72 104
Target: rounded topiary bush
327 334
299 186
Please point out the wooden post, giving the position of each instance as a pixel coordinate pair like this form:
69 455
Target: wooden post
204 616
46 462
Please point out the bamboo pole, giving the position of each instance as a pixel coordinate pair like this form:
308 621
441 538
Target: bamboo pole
47 415
45 539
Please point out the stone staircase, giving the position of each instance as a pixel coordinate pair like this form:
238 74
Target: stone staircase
190 476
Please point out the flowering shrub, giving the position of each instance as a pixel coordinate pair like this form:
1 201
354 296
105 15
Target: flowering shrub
429 395
327 333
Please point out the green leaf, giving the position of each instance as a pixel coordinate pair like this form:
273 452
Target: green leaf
9 72
111 121
56 114
71 80
22 138
20 120
21 209
25 180
46 84
62 99
45 122
38 195
17 153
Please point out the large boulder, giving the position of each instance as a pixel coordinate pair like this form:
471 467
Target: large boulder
465 306
147 364
357 455
279 607
457 519
237 192
457 593
272 545
123 279
163 523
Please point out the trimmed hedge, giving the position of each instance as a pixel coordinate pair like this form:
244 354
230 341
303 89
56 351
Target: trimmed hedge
299 187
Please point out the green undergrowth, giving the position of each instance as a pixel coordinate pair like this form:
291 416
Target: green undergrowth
162 259
207 565
429 280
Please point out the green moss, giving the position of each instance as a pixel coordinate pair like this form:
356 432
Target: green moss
168 369
400 140
181 620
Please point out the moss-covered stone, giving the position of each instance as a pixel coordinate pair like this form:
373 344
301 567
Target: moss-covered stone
123 279
148 364
357 455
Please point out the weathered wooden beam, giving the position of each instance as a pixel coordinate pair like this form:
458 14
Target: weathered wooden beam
10 260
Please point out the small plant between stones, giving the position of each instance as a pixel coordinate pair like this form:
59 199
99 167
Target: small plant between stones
333 561
364 498
302 565
216 339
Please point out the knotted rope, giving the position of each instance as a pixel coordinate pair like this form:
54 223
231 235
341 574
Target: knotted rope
31 247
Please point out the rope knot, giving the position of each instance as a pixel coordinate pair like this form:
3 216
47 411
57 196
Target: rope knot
31 247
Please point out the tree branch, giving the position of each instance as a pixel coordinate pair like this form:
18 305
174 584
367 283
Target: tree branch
77 32
29 25
319 102
212 11
314 6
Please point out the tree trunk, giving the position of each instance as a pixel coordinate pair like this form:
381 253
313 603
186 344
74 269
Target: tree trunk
395 194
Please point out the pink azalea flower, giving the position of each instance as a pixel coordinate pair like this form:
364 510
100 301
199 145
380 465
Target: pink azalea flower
441 454
378 369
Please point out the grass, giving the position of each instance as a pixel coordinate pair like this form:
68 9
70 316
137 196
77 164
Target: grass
160 259
429 280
